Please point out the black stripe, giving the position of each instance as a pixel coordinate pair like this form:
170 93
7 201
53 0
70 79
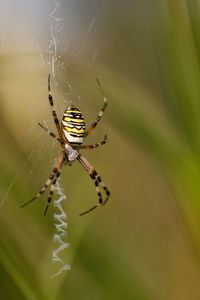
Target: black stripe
100 197
51 100
58 174
92 175
55 117
76 127
74 115
77 135
52 134
74 122
99 178
75 143
72 108
107 191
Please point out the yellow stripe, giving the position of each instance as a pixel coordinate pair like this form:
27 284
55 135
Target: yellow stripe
75 130
67 119
73 111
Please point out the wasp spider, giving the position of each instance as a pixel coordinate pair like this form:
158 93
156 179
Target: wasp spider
71 134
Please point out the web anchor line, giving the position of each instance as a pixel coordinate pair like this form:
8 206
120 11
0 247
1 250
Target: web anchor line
56 25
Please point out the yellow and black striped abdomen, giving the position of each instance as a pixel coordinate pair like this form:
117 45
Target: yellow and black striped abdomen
73 125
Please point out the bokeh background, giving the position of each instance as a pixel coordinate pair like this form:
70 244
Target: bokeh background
145 243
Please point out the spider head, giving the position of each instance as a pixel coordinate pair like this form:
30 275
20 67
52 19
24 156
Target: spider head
73 125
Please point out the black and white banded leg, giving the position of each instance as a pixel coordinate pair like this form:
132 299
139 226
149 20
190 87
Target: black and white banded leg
48 131
52 190
97 181
93 146
104 187
52 178
100 114
42 190
54 114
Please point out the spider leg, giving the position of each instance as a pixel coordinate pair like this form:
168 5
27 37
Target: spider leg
100 114
49 132
43 189
93 146
89 210
55 174
98 193
97 181
54 114
105 189
52 190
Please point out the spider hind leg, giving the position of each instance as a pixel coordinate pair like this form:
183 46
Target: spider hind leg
51 181
43 189
97 181
51 193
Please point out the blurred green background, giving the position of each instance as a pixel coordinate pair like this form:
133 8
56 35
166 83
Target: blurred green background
145 243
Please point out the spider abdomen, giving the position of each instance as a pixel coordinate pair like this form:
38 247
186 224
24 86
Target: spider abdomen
73 125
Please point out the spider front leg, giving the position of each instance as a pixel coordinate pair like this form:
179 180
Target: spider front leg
54 114
97 181
105 104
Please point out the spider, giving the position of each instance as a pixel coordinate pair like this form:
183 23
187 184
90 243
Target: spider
71 134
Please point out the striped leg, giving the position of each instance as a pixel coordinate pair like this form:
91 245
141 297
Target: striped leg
104 187
54 175
49 132
93 146
54 114
94 124
97 181
52 190
43 189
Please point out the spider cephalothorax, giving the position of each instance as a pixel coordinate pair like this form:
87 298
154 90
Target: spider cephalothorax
71 154
71 133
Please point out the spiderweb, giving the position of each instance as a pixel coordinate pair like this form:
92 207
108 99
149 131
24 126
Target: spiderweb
51 63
